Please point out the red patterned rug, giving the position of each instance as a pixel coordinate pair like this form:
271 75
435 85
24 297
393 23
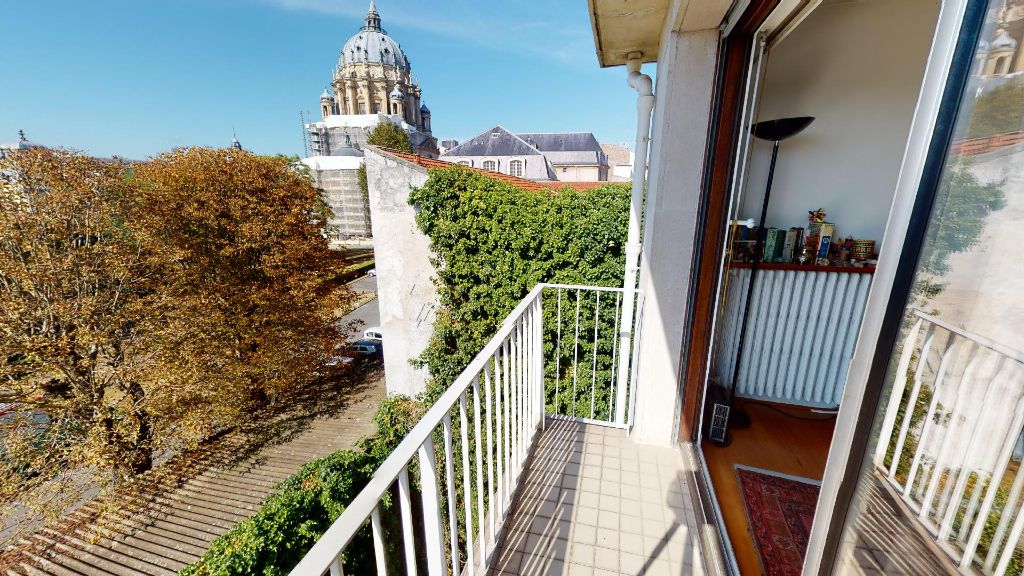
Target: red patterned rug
780 510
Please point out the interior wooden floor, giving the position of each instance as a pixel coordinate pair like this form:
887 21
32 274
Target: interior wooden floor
776 442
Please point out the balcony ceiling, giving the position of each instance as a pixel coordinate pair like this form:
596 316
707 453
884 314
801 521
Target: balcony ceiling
624 26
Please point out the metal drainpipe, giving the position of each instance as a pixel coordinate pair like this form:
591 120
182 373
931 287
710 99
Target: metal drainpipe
644 108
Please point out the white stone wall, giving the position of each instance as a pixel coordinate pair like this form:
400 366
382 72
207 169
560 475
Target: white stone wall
406 293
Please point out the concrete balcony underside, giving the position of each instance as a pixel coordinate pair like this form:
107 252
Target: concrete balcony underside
594 502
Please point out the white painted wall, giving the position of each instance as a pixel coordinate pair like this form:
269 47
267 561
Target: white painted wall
405 290
683 93
534 167
857 67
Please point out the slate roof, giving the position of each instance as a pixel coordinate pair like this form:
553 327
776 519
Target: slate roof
494 142
556 147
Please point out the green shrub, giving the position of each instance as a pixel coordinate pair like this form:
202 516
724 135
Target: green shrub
272 541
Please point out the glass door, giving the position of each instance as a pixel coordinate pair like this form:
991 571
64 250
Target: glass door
939 487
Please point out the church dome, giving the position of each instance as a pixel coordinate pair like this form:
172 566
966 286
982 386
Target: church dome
424 109
373 45
1002 41
326 96
396 94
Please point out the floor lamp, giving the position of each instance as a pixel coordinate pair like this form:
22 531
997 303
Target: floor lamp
724 415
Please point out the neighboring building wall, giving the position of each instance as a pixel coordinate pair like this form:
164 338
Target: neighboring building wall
686 69
862 95
534 167
581 173
347 202
405 289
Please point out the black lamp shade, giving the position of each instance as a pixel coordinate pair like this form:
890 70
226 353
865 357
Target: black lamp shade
776 130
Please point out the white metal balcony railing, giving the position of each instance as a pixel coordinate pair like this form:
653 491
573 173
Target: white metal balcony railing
456 472
950 443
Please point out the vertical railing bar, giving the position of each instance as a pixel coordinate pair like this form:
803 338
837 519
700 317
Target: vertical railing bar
491 500
575 353
506 383
558 348
972 506
951 346
500 440
1011 545
593 368
527 375
615 358
523 400
467 487
336 568
634 365
954 490
378 542
449 470
962 393
405 503
1010 440
538 354
915 391
481 534
1004 520
433 534
516 401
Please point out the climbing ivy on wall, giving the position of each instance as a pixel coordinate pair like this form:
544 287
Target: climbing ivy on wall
492 242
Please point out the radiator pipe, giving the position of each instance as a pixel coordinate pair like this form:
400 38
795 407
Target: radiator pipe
644 108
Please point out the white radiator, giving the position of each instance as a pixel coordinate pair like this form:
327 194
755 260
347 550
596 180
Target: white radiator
800 337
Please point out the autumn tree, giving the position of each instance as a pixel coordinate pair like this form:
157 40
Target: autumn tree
386 135
73 290
144 307
250 286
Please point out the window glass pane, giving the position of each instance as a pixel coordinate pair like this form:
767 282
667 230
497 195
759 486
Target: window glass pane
942 489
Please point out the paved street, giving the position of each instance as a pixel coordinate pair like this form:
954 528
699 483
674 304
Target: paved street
368 313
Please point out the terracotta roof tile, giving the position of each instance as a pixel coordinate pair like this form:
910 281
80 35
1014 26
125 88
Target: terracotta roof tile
522 183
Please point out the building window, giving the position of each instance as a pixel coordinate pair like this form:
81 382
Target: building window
515 168
465 162
490 165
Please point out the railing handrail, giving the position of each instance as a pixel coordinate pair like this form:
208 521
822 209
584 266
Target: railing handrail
319 558
585 287
977 338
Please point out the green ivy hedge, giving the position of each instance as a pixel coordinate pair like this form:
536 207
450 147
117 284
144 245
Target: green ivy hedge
492 242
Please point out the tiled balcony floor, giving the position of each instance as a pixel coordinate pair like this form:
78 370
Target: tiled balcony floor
595 502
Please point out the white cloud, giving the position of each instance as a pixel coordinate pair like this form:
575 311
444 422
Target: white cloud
549 29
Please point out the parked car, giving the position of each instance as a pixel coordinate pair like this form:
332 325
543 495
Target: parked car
373 333
371 272
367 347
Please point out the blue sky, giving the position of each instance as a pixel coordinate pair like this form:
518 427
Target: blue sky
137 77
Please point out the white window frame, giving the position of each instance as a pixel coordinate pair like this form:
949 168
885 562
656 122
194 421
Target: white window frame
513 164
490 161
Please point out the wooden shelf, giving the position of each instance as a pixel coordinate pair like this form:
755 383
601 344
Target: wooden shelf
806 267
